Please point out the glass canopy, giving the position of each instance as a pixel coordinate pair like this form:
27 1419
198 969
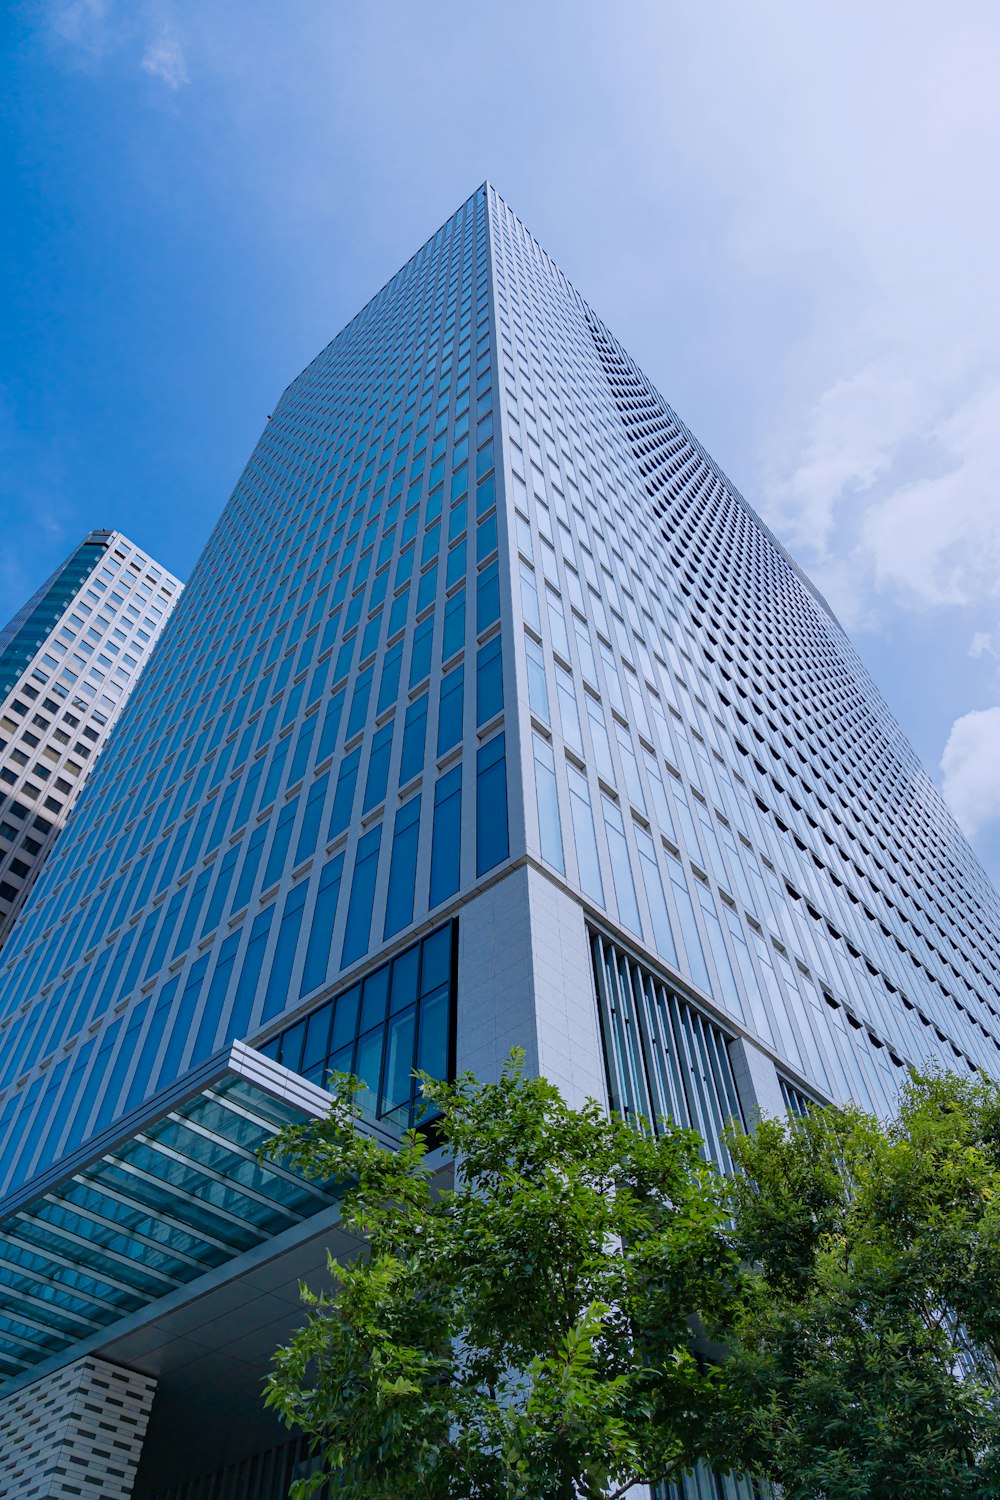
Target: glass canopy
172 1200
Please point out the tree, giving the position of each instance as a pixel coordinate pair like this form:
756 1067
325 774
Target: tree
864 1349
525 1332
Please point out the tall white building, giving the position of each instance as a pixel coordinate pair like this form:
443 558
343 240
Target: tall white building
492 715
68 660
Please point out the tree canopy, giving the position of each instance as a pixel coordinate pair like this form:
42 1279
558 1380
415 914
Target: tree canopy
523 1332
586 1304
865 1341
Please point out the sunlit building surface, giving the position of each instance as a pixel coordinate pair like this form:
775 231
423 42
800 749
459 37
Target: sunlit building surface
68 660
492 715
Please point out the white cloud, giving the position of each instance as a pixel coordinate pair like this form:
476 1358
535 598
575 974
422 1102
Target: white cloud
938 538
92 32
164 58
985 643
853 436
970 768
84 26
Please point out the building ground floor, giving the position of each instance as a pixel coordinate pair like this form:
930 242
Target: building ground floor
168 1262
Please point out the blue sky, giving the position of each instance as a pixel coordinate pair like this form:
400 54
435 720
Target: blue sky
786 212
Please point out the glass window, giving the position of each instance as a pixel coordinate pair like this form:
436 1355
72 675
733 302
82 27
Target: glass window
253 963
451 708
402 868
312 818
279 987
388 688
538 692
661 810
663 937
359 911
343 797
453 637
192 913
382 1029
717 943
491 805
359 702
414 736
621 866
529 598
584 836
331 726
215 999
487 597
599 739
696 965
446 839
569 713
547 800
489 680
317 960
378 766
420 657
279 847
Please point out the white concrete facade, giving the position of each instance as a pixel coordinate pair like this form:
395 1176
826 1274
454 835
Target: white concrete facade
76 1433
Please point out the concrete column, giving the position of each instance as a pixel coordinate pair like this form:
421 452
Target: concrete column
525 980
75 1433
570 1054
756 1081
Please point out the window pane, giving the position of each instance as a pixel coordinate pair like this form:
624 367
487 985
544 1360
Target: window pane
359 911
489 680
491 805
451 709
402 868
547 802
446 840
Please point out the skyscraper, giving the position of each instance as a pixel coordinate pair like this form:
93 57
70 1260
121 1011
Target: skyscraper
492 715
68 660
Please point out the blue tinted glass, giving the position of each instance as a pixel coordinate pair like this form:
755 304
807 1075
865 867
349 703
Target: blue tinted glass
491 805
317 960
435 960
402 868
378 766
487 597
388 689
251 863
374 998
279 845
218 988
453 638
278 993
345 1017
343 797
359 703
489 680
414 735
399 1060
451 708
359 910
432 1053
404 978
446 838
331 726
420 658
312 818
253 963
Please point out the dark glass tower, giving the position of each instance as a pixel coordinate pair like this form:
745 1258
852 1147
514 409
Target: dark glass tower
492 715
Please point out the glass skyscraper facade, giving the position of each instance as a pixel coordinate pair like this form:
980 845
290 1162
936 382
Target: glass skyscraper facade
492 715
68 660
